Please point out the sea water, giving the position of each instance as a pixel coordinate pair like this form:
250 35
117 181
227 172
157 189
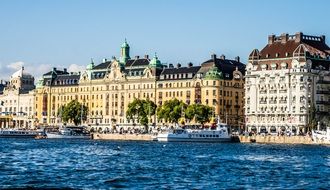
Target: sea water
90 164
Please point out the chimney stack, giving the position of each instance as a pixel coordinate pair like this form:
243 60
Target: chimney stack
284 38
271 39
190 65
65 70
146 56
171 65
54 68
322 38
299 36
214 56
137 57
237 58
222 57
178 65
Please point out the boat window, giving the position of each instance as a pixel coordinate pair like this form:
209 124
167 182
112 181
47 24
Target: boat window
217 135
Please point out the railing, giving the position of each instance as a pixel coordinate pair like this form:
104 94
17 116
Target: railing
323 92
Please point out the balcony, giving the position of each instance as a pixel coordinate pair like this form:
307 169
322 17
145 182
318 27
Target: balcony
323 102
323 92
323 82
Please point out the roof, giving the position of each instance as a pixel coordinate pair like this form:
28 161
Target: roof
103 65
178 70
56 72
285 45
63 80
21 73
226 66
137 62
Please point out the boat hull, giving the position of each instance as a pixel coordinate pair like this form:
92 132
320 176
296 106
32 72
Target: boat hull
60 136
18 136
182 139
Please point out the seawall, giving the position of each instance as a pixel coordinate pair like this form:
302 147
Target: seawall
125 137
276 139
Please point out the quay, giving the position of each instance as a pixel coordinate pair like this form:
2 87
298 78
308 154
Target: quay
269 139
125 136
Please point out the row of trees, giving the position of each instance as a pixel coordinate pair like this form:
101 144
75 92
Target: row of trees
171 111
142 110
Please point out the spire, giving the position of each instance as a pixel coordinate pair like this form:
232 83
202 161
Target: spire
155 62
91 65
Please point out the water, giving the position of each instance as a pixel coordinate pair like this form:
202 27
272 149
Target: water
87 164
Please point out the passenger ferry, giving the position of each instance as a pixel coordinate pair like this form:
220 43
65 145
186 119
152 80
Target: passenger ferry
220 134
69 133
17 133
322 137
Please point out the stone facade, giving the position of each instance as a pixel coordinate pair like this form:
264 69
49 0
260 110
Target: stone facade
284 81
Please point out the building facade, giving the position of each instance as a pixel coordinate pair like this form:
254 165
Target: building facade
107 88
17 101
285 81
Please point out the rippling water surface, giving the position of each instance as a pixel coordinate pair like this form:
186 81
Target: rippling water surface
88 164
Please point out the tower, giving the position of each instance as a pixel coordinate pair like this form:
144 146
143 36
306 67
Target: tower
124 52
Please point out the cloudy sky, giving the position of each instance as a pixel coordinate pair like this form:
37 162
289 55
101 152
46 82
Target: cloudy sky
41 34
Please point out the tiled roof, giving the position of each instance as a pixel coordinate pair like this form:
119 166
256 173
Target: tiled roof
101 66
176 70
226 66
137 62
63 80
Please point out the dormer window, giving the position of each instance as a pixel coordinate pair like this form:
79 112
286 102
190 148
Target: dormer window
287 54
267 55
277 55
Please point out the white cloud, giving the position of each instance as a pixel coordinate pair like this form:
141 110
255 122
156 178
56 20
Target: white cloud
76 68
15 65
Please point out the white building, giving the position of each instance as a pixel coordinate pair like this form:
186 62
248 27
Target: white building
284 81
17 106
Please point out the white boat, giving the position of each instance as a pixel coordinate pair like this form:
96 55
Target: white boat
220 134
17 133
69 133
321 137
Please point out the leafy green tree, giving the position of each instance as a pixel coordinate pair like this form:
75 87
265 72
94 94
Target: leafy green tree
73 112
171 110
201 113
312 121
142 110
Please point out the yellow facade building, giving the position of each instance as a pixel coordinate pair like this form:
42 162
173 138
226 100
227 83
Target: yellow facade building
107 88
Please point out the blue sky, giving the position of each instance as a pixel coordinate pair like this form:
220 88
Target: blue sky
67 33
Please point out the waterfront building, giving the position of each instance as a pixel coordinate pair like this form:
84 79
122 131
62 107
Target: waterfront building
107 88
285 81
17 101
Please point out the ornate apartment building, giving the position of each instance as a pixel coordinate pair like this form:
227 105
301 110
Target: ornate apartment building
284 81
107 88
17 101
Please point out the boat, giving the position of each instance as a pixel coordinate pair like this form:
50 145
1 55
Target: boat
17 133
219 134
69 133
321 137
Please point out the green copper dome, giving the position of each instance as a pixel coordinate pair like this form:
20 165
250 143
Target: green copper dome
155 62
213 74
90 66
125 44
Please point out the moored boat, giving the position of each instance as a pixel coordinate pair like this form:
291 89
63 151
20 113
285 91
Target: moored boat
321 137
69 133
17 133
220 134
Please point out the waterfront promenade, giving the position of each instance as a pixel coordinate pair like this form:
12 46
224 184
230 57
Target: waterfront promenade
265 139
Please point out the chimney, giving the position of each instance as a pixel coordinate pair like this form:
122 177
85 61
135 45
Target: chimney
299 36
322 38
22 68
54 68
271 39
190 64
171 65
65 70
222 57
214 56
284 38
237 58
137 57
178 65
146 56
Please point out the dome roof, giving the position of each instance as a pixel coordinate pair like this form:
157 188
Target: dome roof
125 44
155 62
21 74
90 66
214 74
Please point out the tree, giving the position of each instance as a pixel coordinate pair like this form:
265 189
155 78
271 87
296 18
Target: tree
73 112
201 113
171 110
142 110
312 122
